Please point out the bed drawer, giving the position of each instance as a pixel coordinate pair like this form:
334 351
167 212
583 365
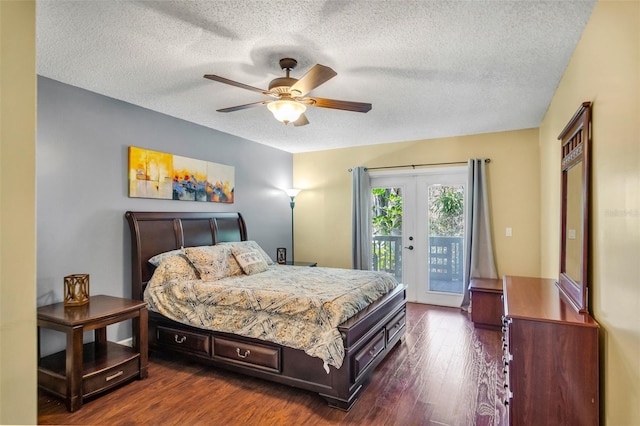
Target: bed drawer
368 353
185 340
395 325
244 353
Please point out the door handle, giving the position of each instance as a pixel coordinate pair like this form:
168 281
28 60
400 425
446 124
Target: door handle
410 247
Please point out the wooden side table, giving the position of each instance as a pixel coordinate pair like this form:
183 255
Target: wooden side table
84 370
486 302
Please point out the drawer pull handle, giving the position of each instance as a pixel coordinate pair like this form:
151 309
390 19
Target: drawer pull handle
179 340
245 354
118 374
373 351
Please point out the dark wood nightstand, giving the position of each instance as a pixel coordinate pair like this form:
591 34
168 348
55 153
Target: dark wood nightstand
84 370
296 263
486 302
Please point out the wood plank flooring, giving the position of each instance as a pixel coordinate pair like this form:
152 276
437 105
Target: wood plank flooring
444 372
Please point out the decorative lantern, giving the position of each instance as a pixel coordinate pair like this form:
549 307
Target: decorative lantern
76 290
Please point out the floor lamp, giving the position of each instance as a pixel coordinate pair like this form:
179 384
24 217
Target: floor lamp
292 192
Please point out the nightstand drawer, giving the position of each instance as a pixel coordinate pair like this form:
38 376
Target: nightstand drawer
192 342
252 354
105 379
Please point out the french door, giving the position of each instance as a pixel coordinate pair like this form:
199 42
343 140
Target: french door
417 231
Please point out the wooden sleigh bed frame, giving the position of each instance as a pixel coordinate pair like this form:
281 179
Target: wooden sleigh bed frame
368 336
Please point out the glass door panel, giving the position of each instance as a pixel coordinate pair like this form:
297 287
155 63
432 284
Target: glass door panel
446 238
386 227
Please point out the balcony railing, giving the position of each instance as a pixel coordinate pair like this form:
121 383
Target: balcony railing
445 260
386 254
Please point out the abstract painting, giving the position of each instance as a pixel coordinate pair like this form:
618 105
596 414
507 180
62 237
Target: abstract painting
154 174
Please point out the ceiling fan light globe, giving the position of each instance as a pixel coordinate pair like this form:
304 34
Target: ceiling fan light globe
286 111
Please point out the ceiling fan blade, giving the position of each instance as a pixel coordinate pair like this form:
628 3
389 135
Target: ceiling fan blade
343 105
313 78
301 121
240 107
235 83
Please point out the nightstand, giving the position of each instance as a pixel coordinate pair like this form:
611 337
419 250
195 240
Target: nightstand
84 370
486 302
296 263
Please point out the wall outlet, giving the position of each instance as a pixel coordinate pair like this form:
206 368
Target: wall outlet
509 232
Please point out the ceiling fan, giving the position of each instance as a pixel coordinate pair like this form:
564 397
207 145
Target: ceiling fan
290 101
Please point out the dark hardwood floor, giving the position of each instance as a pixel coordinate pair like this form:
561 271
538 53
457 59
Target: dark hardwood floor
444 372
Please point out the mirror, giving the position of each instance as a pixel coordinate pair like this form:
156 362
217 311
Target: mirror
573 236
574 241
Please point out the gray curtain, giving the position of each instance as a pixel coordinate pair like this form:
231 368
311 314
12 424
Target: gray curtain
478 247
360 218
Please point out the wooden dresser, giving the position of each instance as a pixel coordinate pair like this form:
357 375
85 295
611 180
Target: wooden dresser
551 356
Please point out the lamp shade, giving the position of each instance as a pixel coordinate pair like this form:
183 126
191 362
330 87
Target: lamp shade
286 111
292 192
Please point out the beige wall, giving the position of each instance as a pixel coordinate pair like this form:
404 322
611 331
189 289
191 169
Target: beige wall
605 69
18 367
323 208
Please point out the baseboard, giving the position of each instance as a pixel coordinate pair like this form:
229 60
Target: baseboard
126 342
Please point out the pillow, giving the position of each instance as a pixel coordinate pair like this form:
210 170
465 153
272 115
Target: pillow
158 258
177 267
213 262
251 261
249 245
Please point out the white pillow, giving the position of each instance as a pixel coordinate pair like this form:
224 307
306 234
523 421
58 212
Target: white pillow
251 261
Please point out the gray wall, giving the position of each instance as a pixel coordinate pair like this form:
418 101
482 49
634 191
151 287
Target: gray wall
82 187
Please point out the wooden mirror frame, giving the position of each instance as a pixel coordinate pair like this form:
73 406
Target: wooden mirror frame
576 145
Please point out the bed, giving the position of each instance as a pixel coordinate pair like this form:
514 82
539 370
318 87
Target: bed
366 337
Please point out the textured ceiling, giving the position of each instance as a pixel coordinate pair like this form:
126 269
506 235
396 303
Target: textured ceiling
430 68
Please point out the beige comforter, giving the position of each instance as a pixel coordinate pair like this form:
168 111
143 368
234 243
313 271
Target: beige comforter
299 307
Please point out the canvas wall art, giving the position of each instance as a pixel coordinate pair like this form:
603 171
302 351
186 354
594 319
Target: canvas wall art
160 175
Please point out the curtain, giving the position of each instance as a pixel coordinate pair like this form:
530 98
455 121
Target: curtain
478 247
360 218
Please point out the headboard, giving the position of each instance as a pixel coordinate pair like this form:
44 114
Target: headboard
157 232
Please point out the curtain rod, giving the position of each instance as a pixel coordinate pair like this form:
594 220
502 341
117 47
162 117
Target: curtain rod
413 166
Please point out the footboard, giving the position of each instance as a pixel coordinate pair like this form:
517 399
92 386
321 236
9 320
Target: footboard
368 338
